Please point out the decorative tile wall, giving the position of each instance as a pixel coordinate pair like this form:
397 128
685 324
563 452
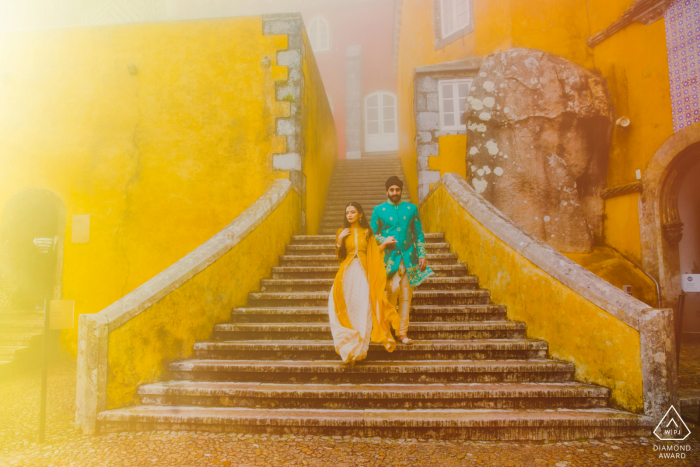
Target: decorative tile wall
683 42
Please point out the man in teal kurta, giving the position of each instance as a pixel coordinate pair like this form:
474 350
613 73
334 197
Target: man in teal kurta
405 261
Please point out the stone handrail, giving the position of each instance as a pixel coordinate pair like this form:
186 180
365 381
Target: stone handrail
656 358
95 367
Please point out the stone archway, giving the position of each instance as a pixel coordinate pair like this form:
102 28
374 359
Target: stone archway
31 248
660 222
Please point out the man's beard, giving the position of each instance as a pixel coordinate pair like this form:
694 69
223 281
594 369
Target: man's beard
395 198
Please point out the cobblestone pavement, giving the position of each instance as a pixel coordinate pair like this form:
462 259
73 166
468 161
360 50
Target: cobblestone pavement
689 366
66 447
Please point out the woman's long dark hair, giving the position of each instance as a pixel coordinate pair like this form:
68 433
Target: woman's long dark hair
343 252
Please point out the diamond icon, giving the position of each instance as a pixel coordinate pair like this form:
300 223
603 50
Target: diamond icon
672 427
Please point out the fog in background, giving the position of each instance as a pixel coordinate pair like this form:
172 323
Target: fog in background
37 14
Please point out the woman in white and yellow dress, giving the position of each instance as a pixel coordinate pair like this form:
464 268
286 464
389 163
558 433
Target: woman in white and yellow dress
358 308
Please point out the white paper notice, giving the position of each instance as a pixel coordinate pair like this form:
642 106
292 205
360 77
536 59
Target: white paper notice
690 282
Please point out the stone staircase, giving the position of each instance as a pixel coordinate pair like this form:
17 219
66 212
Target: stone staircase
360 180
470 373
20 335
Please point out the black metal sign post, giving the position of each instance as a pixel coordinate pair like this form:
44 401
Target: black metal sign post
44 375
58 314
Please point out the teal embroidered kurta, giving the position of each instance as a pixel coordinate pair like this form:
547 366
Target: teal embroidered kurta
401 221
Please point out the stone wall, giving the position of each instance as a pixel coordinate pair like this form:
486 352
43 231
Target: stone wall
538 130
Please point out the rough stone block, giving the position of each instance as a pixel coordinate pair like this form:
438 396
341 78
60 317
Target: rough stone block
289 161
427 121
420 102
426 177
286 126
425 137
290 58
432 102
286 92
426 84
428 150
281 26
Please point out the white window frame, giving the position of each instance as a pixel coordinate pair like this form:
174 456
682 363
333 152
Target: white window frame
457 26
458 126
443 37
320 21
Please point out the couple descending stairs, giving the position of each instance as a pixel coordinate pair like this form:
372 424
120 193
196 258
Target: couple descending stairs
470 373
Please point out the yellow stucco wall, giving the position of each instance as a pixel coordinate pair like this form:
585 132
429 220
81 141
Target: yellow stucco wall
622 225
604 350
606 263
633 62
451 159
321 142
140 350
160 160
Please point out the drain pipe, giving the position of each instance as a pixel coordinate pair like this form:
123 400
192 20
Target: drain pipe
658 289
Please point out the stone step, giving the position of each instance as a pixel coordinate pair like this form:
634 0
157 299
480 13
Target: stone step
367 200
322 331
420 297
329 272
330 239
477 425
324 285
428 371
475 349
17 338
35 326
422 313
356 164
7 352
340 197
434 248
330 260
377 175
375 396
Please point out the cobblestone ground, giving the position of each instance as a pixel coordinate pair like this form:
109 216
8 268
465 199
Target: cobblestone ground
19 397
689 366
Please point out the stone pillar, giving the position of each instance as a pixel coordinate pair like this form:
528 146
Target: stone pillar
353 103
292 91
427 125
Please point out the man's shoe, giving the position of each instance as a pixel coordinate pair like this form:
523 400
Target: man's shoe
405 340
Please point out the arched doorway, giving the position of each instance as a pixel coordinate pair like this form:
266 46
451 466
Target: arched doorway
381 126
32 233
689 245
662 220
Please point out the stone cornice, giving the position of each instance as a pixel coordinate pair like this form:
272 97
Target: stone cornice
641 11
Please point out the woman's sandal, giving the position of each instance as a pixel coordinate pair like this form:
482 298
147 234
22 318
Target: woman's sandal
405 340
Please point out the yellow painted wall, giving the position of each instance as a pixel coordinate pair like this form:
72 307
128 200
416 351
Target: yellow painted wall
321 142
632 61
452 156
635 65
161 160
140 350
622 230
604 350
608 264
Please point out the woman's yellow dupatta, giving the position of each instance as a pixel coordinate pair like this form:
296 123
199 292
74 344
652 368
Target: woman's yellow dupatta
384 315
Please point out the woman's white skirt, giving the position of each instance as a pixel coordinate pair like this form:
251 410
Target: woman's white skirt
352 344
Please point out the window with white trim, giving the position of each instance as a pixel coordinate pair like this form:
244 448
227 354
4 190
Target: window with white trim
455 16
319 34
452 94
